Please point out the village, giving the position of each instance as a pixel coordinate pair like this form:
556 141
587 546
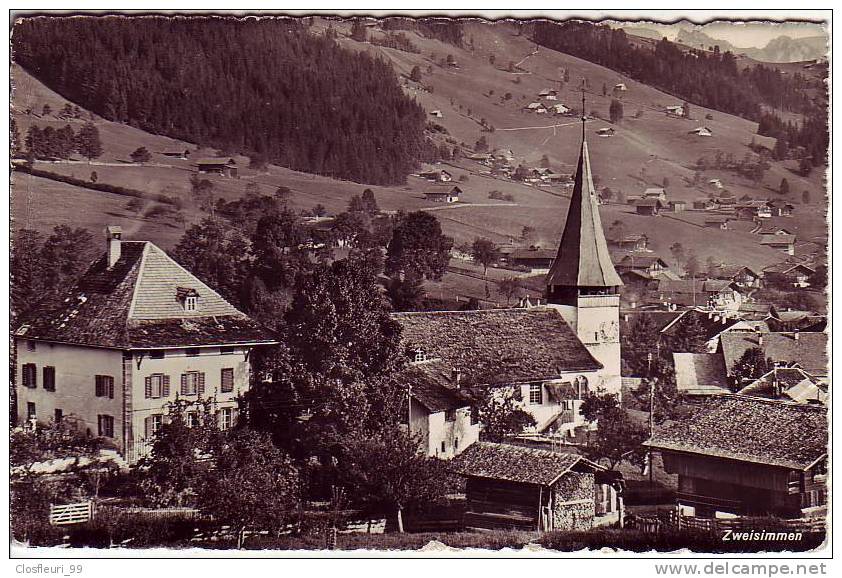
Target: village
350 366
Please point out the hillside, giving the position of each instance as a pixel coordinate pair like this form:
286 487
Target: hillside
643 152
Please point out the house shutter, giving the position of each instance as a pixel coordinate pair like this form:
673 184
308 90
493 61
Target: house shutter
201 386
183 384
147 427
110 381
165 386
98 385
227 380
148 382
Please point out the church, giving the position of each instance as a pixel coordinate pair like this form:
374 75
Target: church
547 357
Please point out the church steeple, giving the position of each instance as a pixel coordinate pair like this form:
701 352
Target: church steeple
583 260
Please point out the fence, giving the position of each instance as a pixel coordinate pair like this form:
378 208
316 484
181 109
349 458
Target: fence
672 521
64 514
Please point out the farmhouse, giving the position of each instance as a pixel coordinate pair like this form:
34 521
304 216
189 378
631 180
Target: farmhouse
444 196
531 354
559 109
745 277
718 221
649 207
719 293
620 87
677 206
647 263
701 131
700 374
783 243
137 331
437 176
436 113
631 242
606 131
743 455
704 204
788 274
440 412
754 209
529 489
789 384
807 350
548 94
218 166
537 107
655 193
675 110
781 208
536 259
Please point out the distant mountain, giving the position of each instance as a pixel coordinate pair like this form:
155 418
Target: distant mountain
779 49
786 49
643 32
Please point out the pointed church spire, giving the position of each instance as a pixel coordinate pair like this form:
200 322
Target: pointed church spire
583 259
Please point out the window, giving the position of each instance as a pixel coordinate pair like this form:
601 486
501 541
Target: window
450 415
192 351
58 416
30 346
227 350
106 426
536 394
443 449
474 415
226 418
104 386
191 302
30 410
157 385
192 383
49 374
29 375
153 424
157 354
192 419
455 444
419 356
227 380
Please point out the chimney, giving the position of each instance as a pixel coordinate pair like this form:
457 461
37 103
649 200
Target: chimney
113 234
456 377
759 339
795 334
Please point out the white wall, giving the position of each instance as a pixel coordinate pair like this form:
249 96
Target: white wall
455 435
76 368
175 362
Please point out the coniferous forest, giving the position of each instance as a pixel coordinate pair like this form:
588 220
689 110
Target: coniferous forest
711 79
267 88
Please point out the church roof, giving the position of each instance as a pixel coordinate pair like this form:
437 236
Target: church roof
135 304
583 259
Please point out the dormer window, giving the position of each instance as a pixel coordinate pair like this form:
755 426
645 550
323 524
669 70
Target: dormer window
417 355
188 298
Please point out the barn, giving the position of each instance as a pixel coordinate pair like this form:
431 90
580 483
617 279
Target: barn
227 167
524 488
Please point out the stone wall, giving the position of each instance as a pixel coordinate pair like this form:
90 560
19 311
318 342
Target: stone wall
573 502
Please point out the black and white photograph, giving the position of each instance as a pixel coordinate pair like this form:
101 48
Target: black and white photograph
420 283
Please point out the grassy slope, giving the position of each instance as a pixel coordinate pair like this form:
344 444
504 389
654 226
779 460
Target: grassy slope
659 144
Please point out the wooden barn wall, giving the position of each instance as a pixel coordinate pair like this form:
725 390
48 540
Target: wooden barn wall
727 471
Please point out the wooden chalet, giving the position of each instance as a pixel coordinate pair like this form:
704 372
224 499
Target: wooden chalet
784 243
739 455
443 195
649 207
807 350
717 221
744 277
227 167
788 275
535 259
521 488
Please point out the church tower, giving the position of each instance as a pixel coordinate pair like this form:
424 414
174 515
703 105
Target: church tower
582 283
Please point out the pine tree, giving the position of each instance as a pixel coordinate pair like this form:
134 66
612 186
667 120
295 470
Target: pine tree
615 111
88 143
783 189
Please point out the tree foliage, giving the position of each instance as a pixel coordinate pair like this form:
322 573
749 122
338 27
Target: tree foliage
501 413
617 438
419 245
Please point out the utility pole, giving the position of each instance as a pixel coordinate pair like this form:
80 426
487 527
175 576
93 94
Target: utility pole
651 414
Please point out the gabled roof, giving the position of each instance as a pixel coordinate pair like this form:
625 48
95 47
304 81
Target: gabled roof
750 429
217 161
777 240
654 191
789 383
809 350
786 267
429 385
583 259
713 323
135 304
731 271
498 346
518 464
700 373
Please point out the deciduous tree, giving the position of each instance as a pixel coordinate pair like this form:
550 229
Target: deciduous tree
418 245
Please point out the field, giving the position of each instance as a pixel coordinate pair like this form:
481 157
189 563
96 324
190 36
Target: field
643 152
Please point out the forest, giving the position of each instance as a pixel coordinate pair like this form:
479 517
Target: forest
710 79
267 88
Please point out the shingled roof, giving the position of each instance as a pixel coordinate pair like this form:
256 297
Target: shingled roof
809 350
518 464
135 304
498 346
583 259
787 383
429 385
750 429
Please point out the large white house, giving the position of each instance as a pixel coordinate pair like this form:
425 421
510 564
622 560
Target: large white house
137 331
